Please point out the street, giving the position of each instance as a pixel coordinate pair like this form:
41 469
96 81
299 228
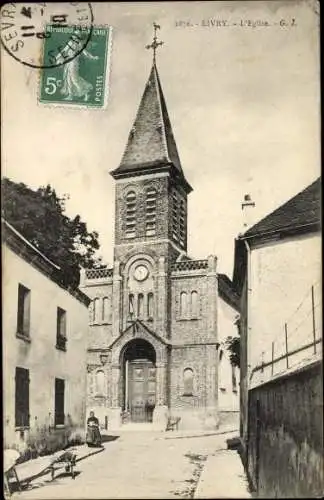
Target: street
135 465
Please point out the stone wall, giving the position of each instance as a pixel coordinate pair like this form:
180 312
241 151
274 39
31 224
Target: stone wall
194 409
285 444
187 327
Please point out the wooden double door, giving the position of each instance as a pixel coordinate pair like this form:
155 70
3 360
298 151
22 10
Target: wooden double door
141 390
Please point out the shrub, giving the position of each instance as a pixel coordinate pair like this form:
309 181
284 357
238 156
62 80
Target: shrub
45 440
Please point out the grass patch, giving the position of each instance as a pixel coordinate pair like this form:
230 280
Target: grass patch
198 462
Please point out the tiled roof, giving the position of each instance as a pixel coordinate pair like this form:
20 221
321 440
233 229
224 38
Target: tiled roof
300 211
151 141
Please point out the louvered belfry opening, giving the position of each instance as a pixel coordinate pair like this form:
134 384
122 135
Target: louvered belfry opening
130 221
150 215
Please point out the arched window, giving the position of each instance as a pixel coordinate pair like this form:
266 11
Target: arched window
91 312
130 222
150 298
140 305
131 304
91 381
96 310
183 304
194 304
188 382
221 371
100 383
150 214
106 309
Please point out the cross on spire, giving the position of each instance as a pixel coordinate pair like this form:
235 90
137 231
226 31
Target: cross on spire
155 44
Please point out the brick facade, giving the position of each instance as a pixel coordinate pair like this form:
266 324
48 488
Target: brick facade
163 305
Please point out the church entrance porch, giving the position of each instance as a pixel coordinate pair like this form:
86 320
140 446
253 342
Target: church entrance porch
138 369
138 381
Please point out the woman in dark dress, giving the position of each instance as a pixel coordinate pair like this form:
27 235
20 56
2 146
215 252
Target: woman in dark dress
93 432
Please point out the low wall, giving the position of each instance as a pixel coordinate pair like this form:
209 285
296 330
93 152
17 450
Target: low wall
285 435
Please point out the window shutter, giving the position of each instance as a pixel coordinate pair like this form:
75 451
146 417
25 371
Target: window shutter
22 397
23 310
59 401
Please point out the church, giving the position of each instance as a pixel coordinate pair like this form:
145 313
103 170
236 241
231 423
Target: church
158 318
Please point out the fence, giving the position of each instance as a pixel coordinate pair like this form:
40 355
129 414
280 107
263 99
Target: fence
300 338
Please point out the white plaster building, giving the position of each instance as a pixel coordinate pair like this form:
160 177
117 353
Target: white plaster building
277 273
44 343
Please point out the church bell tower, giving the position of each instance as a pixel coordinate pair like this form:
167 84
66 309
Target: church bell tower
154 314
151 189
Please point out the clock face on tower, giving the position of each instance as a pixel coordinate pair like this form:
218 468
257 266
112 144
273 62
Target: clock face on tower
141 272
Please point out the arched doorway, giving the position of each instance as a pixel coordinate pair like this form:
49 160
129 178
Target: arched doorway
139 380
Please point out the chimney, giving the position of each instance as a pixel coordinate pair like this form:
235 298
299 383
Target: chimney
247 209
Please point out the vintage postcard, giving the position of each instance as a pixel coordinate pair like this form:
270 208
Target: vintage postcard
161 250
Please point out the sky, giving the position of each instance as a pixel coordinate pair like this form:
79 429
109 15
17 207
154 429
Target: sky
244 103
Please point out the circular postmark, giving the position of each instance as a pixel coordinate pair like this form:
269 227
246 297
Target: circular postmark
25 27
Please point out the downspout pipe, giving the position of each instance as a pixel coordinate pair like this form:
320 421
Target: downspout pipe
247 349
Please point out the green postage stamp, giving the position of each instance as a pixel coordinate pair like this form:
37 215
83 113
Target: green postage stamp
76 74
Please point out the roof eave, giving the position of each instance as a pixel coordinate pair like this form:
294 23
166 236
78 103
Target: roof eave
124 171
26 250
294 230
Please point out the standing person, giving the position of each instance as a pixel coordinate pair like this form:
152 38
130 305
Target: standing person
74 85
93 432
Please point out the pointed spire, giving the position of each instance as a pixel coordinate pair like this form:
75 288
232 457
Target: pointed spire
151 144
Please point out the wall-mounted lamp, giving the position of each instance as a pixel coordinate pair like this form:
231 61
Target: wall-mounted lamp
103 358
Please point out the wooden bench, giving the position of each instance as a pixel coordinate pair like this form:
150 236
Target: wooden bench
10 458
8 476
173 423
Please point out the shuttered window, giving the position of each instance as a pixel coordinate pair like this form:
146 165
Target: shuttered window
59 401
179 219
150 215
61 329
22 397
23 311
182 224
175 210
130 221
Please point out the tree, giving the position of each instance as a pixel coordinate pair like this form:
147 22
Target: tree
233 345
40 217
